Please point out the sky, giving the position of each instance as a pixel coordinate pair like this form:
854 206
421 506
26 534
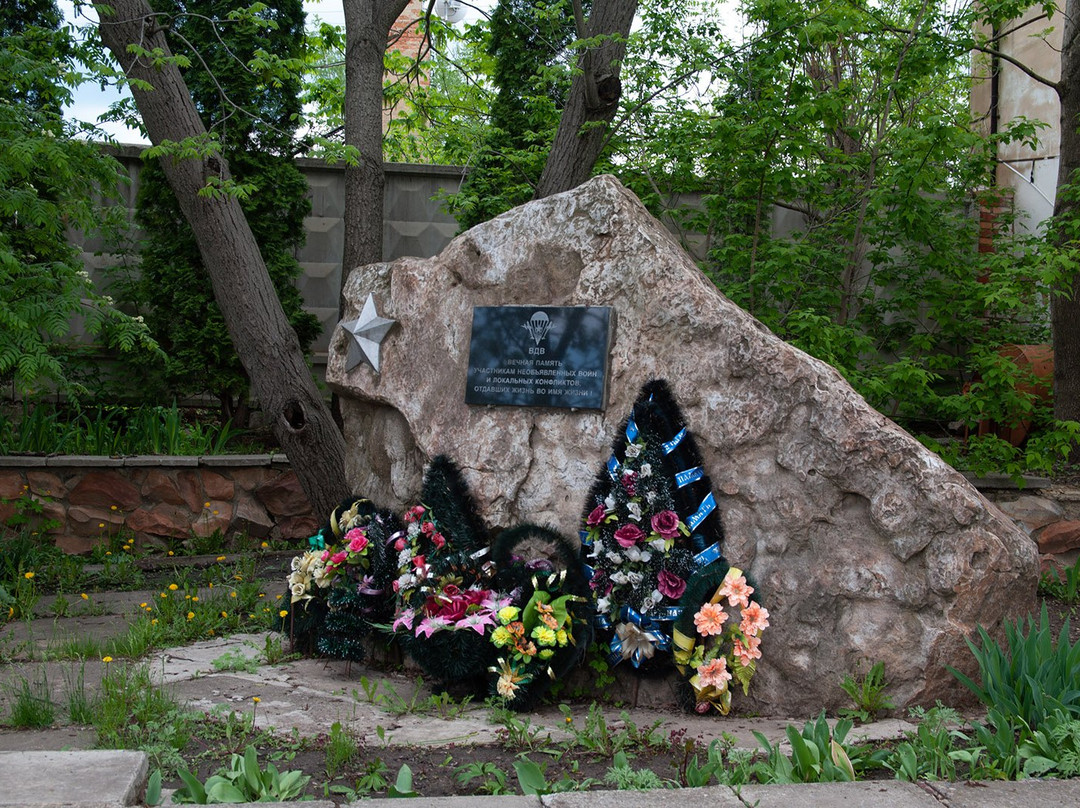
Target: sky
90 100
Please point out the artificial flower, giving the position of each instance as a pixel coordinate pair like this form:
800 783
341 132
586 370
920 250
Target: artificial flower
736 590
710 620
670 585
629 535
714 674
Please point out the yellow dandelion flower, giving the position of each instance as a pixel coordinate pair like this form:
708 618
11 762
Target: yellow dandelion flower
206 504
215 513
164 595
232 594
171 552
221 558
153 622
211 586
190 615
224 614
106 659
278 597
85 596
102 524
126 547
195 599
256 699
142 605
265 544
112 507
283 613
173 587
28 575
107 552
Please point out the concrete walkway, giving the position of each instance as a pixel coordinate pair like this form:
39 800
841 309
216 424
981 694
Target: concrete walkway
310 695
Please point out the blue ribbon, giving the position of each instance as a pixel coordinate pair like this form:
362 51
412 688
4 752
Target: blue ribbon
584 536
707 506
666 614
670 446
684 478
316 542
601 622
613 468
631 430
708 555
589 571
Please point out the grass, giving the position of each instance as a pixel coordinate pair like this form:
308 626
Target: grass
31 705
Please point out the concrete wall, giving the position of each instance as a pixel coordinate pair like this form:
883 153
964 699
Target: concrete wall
413 224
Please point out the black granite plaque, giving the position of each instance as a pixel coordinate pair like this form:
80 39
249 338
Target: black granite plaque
539 356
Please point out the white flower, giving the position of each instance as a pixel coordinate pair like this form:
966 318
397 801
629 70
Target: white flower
633 450
603 605
404 557
597 549
660 545
655 596
635 578
298 590
414 530
633 553
619 578
650 497
609 503
635 510
645 470
646 556
295 563
614 557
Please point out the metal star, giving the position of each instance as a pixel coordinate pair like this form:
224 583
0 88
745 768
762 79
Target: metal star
366 332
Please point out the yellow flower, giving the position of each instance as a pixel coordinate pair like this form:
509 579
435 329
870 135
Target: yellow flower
278 597
173 587
221 558
215 513
153 622
106 659
171 552
190 615
265 545
195 599
112 507
28 575
102 524
85 596
126 547
206 504
262 594
224 614
164 595
232 594
107 552
283 613
256 699
508 614
142 605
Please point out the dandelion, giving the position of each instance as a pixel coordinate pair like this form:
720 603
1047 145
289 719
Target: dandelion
283 613
190 615
106 659
107 552
173 587
221 558
28 575
126 547
153 622
265 544
256 699
102 524
195 599
112 507
206 504
262 594
85 596
211 586
224 614
278 597
142 605
232 594
171 552
164 595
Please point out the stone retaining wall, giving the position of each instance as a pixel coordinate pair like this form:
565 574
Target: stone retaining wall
1048 512
159 499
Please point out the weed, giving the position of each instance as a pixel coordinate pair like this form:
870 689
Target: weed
31 705
1062 584
868 693
235 661
341 750
516 732
242 781
626 778
81 707
492 778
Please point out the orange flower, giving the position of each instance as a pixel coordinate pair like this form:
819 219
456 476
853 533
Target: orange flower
714 674
755 619
746 653
737 591
710 620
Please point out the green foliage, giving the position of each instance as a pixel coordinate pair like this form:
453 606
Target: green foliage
928 752
625 777
1062 584
528 46
1030 679
237 661
341 750
867 691
249 102
51 179
242 781
31 705
1053 749
113 430
818 755
492 778
403 783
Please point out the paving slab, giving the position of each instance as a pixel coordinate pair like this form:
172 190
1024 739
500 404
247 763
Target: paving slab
93 779
997 794
878 793
711 797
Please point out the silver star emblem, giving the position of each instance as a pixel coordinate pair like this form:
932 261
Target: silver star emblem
366 332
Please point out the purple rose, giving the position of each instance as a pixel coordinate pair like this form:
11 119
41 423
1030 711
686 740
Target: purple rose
628 535
596 517
666 524
670 584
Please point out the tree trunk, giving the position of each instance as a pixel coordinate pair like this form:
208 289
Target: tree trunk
264 340
367 29
593 100
1065 306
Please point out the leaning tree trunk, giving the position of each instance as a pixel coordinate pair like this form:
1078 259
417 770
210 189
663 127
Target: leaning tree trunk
1065 303
593 100
265 342
367 28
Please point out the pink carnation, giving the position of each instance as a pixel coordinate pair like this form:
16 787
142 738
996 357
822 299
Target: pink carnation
710 620
714 674
339 558
755 619
629 535
737 591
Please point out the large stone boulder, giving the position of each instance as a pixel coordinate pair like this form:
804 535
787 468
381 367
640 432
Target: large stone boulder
864 545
